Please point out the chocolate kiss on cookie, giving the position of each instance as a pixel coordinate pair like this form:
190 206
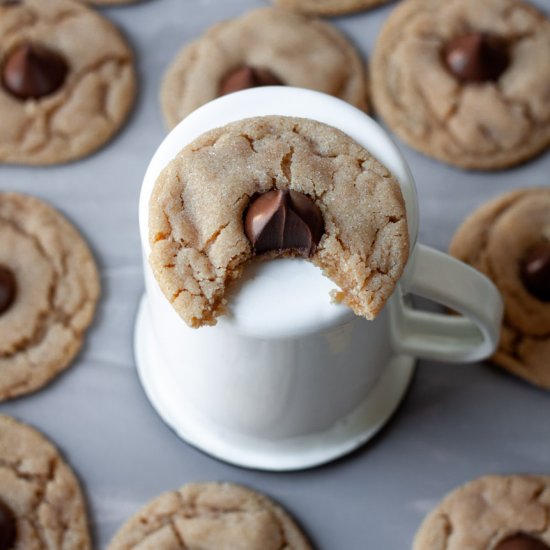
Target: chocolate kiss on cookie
521 541
32 71
476 57
284 220
8 527
535 272
248 77
8 289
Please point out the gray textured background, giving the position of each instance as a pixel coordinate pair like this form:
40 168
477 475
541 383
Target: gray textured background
458 422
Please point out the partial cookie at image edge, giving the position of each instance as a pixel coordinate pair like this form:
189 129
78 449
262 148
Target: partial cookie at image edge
511 506
210 516
526 325
39 492
44 328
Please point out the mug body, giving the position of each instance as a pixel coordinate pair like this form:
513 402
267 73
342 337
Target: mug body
269 387
287 379
269 368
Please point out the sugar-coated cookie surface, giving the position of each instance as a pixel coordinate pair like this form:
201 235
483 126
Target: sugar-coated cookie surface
296 49
491 513
49 287
329 7
498 239
211 516
198 242
474 121
88 104
41 505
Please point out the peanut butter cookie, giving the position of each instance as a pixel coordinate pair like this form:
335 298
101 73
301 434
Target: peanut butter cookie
465 81
275 186
49 287
491 513
508 239
41 505
267 46
211 516
67 81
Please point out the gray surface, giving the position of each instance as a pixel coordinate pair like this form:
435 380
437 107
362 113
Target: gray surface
457 422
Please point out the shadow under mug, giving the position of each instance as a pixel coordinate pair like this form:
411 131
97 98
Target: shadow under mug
289 380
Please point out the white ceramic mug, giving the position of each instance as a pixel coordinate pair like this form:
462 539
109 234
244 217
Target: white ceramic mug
288 379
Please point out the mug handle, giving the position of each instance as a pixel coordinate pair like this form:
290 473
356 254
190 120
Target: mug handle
458 339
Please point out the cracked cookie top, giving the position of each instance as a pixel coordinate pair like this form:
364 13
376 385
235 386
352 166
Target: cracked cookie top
41 505
86 107
500 239
328 7
49 287
198 205
211 516
491 513
289 48
485 123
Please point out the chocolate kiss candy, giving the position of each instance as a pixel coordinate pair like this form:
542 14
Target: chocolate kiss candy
521 541
248 77
8 289
535 272
31 71
8 528
284 220
476 57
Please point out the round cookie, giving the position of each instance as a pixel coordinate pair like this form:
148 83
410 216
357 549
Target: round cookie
491 513
67 81
465 81
48 293
41 505
328 7
293 49
497 239
211 516
351 219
